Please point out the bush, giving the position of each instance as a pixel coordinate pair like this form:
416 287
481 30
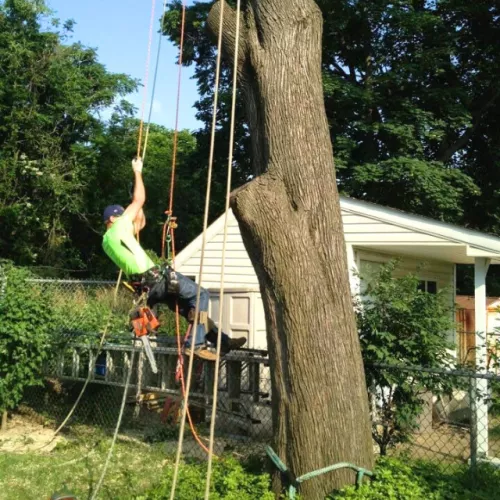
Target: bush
230 481
25 322
398 480
401 325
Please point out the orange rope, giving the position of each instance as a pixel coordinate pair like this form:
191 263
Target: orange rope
176 131
179 351
171 229
146 77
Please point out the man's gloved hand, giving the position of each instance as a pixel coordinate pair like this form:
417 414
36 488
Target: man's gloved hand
137 165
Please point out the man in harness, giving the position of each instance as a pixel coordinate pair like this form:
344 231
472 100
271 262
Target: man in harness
161 283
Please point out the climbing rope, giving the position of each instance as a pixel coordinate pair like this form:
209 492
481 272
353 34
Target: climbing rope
296 481
155 78
168 235
205 225
146 78
91 367
179 351
224 245
176 130
117 428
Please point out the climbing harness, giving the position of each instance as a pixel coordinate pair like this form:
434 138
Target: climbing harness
296 481
168 238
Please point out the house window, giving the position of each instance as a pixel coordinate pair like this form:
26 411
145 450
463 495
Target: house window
428 286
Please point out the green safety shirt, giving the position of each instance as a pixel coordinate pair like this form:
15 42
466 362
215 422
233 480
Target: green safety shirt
123 249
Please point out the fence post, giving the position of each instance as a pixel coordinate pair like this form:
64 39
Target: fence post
254 373
473 422
140 380
234 384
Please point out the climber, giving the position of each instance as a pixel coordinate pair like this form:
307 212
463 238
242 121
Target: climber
162 283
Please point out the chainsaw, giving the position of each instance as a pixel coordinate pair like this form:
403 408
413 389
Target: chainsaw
144 323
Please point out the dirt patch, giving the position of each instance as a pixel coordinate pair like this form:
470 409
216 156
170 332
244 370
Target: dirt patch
26 435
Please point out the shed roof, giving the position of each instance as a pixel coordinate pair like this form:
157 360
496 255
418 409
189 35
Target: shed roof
388 230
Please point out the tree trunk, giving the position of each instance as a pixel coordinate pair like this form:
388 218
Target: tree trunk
290 221
3 428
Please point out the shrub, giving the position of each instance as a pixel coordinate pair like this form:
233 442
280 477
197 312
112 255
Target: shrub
230 481
25 322
398 480
400 325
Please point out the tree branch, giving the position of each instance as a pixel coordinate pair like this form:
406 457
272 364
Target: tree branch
341 72
446 152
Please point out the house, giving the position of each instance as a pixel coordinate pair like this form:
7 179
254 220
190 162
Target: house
374 234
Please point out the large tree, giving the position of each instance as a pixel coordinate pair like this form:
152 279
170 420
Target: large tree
411 100
290 220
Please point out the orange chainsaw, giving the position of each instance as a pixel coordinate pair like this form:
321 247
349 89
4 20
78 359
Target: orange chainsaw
144 322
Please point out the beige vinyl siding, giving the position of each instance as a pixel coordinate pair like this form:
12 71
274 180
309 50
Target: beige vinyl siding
359 229
239 271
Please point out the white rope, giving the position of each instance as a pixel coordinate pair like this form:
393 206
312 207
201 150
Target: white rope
91 367
117 428
205 225
224 245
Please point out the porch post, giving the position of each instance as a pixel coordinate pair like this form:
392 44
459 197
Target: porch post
352 267
479 404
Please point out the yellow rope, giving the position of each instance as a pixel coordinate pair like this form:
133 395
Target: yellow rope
224 245
205 225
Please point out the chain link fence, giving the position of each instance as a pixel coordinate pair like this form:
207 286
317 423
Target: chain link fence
446 416
82 312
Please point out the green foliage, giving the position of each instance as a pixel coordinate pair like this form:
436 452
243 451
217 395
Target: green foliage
411 99
24 335
81 313
50 96
400 325
230 481
407 480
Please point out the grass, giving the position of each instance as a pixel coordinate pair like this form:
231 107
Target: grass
77 465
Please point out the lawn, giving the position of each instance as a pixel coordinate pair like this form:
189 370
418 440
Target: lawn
142 471
77 464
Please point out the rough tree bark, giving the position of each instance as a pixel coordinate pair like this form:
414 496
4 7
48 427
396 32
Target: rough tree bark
290 221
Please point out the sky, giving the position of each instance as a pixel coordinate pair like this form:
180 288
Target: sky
119 30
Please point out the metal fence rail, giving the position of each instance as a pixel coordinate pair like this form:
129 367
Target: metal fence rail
455 415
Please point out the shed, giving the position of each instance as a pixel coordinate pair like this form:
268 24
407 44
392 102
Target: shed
374 234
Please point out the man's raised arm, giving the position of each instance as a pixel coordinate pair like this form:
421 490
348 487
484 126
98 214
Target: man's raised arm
134 210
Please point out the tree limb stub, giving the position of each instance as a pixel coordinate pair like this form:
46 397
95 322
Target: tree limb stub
229 32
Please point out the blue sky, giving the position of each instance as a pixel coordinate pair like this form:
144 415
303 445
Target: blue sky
119 30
